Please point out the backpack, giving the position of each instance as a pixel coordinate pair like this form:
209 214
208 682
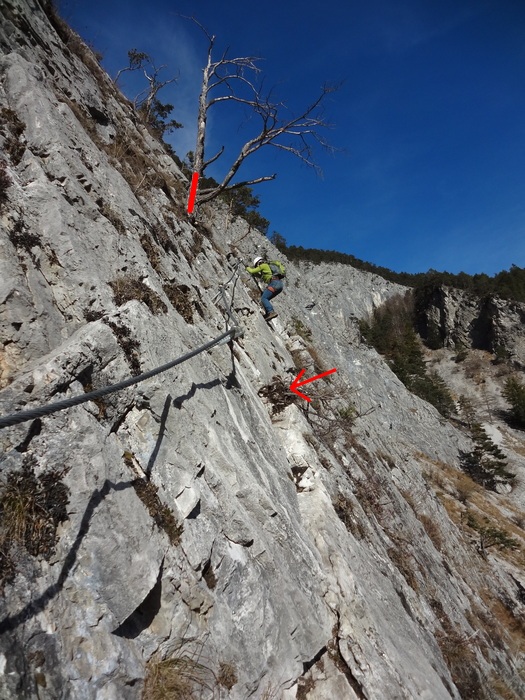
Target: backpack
277 268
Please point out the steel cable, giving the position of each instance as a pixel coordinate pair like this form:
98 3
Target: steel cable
31 414
229 307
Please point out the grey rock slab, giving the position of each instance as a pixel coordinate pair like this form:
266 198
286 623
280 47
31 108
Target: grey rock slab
324 578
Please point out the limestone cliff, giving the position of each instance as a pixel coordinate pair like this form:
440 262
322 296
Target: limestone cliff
455 318
205 534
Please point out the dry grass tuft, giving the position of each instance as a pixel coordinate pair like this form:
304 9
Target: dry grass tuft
432 530
128 288
129 345
161 514
113 218
179 296
167 679
227 677
181 677
31 508
152 252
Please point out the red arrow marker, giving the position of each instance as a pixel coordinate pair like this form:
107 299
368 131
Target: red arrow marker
296 383
193 192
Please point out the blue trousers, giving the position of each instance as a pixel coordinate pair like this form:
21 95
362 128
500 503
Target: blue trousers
274 288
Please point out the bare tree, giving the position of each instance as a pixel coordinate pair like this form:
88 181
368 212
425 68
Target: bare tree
236 80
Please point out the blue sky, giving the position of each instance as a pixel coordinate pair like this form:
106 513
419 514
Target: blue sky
429 118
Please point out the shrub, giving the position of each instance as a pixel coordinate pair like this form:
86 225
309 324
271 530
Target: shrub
156 117
13 127
501 355
490 536
5 183
432 388
301 329
278 394
22 238
243 202
161 236
348 414
465 487
151 251
344 509
461 354
466 411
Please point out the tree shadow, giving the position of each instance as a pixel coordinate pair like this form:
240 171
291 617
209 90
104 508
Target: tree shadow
34 607
507 416
231 382
179 401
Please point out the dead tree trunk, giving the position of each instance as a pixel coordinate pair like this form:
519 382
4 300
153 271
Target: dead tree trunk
234 79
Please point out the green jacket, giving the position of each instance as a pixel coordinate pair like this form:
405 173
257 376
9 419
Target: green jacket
264 271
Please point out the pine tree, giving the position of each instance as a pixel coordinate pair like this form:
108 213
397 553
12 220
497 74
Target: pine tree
486 464
392 333
514 392
466 410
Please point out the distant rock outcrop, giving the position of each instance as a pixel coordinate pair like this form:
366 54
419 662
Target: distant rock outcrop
218 541
448 317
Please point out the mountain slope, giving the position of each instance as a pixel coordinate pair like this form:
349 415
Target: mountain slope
222 538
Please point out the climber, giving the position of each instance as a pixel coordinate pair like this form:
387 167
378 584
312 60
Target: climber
272 273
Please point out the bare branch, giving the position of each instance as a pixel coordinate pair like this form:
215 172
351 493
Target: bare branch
224 98
122 70
146 98
303 154
211 38
218 155
241 62
226 80
136 59
212 192
235 79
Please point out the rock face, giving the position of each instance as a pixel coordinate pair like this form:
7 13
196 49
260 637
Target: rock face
451 317
222 537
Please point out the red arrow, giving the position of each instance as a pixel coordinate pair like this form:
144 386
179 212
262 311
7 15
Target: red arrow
296 383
